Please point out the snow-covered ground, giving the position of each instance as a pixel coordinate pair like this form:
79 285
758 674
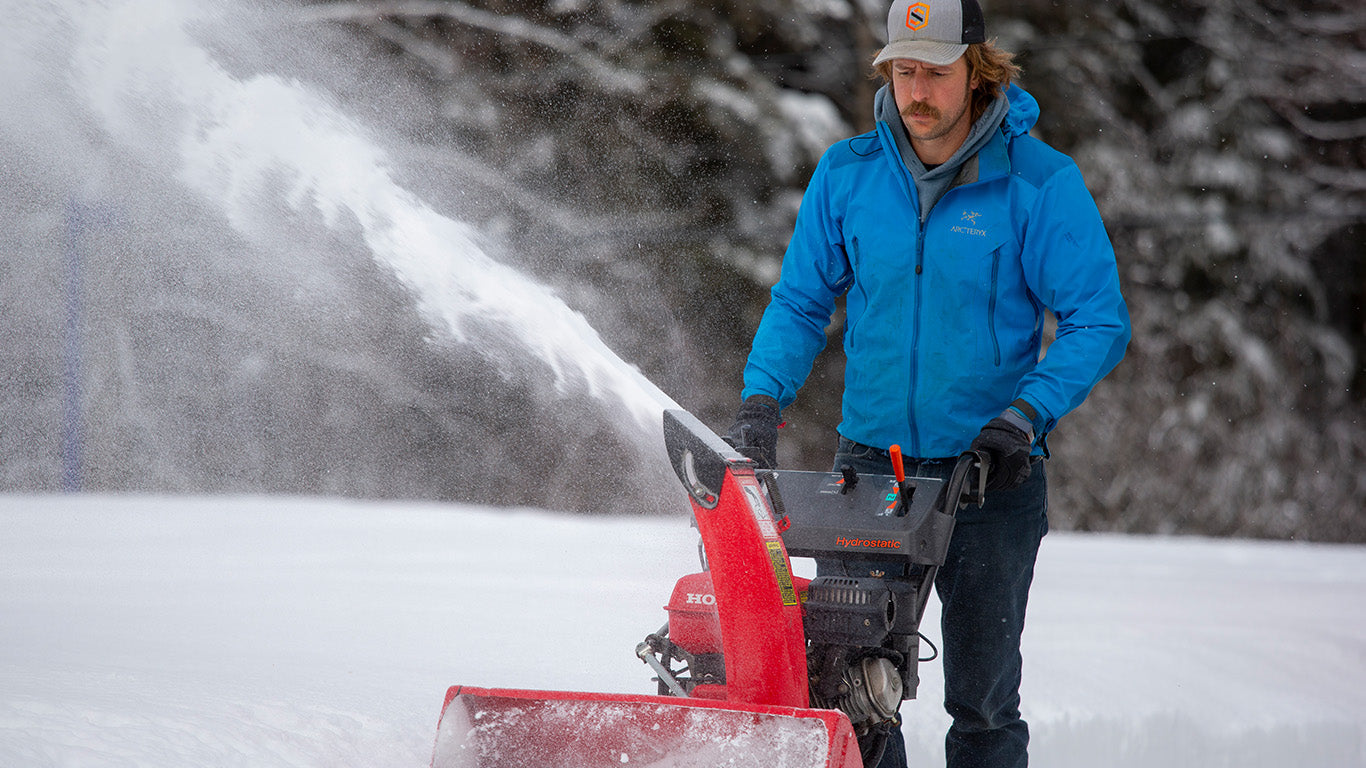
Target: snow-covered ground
164 631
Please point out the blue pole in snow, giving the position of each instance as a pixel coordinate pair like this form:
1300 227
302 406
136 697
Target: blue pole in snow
72 418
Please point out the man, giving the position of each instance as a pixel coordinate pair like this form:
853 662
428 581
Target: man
949 230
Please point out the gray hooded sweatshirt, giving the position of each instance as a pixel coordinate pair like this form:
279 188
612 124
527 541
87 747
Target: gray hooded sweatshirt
960 169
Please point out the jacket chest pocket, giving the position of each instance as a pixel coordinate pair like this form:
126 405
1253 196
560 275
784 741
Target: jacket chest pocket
967 289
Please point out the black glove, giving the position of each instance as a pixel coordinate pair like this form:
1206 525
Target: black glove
755 431
1007 446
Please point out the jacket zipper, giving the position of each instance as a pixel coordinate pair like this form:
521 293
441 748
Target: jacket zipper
915 336
991 306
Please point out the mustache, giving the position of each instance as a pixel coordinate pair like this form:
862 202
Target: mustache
920 108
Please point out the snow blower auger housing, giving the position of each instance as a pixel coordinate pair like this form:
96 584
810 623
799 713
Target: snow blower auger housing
775 670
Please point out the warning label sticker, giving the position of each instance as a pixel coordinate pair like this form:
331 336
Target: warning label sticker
778 556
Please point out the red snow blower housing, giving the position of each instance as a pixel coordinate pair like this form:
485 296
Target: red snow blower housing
755 667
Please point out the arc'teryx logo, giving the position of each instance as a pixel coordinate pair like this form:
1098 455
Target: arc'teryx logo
971 218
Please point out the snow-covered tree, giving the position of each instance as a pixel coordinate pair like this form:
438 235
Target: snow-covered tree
1222 138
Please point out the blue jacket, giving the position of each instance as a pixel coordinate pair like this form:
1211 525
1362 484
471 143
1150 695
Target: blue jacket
944 322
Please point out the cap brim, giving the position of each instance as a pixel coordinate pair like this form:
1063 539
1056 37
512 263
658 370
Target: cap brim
929 51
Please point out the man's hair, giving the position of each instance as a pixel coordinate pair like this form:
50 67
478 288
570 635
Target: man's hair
994 68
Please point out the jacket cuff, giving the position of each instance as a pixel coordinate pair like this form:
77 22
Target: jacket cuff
1016 418
764 400
1040 418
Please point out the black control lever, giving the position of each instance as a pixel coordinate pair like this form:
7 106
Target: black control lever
850 479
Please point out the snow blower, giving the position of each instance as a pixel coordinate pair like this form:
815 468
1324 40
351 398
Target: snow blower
755 666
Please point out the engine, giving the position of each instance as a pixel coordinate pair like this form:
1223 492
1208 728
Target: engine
848 623
862 647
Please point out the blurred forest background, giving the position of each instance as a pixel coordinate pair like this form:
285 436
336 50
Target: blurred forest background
646 159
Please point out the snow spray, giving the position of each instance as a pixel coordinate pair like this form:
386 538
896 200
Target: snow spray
268 151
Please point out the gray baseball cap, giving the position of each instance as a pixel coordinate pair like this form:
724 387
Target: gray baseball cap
933 31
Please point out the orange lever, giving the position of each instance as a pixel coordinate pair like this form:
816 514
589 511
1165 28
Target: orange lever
897 466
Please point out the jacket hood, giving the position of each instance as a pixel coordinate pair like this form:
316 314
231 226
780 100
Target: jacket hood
1023 113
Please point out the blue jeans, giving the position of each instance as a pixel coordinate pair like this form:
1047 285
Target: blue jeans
983 589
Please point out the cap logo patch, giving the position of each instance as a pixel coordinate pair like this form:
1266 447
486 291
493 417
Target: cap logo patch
917 16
